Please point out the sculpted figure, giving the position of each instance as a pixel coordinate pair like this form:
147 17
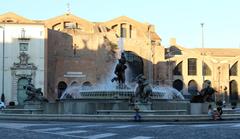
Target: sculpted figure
120 71
205 95
34 94
143 89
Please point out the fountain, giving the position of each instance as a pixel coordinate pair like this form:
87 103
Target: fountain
121 96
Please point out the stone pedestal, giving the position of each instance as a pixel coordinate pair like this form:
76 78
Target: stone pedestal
199 108
32 105
143 106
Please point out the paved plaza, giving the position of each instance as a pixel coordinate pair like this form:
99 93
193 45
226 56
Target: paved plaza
116 130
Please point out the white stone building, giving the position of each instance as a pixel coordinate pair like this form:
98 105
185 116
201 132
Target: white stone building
24 58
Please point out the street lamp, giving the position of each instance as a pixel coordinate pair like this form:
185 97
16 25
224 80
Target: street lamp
203 66
3 55
150 64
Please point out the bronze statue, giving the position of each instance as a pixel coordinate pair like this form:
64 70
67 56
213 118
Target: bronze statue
143 90
34 94
120 71
205 95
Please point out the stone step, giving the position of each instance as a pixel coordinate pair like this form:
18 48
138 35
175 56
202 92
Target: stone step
230 111
22 111
115 118
144 112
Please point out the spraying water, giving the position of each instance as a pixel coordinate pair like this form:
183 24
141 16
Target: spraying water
106 89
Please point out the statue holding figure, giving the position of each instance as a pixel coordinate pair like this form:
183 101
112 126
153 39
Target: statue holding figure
33 93
120 72
143 89
206 94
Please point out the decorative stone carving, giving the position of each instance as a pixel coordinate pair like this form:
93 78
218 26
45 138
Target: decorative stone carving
23 64
21 69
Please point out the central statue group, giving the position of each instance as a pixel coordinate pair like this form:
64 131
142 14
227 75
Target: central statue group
142 91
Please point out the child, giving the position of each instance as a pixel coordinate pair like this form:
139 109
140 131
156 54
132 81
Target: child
137 116
214 114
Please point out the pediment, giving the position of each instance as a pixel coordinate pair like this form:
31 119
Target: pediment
13 18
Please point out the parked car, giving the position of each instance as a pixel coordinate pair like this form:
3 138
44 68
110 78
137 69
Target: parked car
2 105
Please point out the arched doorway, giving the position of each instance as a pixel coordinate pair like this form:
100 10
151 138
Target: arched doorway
192 87
74 83
61 88
233 92
86 85
21 92
178 84
135 65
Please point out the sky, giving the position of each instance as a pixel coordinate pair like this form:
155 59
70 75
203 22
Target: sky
180 19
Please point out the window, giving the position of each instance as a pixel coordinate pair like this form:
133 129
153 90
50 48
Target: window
178 69
130 31
69 25
192 66
23 33
114 27
123 31
99 29
175 51
206 70
23 46
56 26
233 70
10 21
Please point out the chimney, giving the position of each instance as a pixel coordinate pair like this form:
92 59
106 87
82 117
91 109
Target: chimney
172 42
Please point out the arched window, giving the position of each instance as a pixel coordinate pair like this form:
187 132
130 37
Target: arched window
57 26
175 51
61 88
192 87
178 84
192 66
206 70
233 70
178 69
114 27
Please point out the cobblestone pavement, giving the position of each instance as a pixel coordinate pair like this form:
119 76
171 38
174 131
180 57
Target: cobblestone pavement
124 130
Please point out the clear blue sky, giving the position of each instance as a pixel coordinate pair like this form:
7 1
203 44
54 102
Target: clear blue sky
172 18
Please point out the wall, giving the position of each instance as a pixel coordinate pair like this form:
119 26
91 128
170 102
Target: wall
36 48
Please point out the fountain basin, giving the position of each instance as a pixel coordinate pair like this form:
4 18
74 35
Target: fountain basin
92 105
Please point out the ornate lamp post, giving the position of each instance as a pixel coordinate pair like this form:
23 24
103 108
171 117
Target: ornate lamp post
3 55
